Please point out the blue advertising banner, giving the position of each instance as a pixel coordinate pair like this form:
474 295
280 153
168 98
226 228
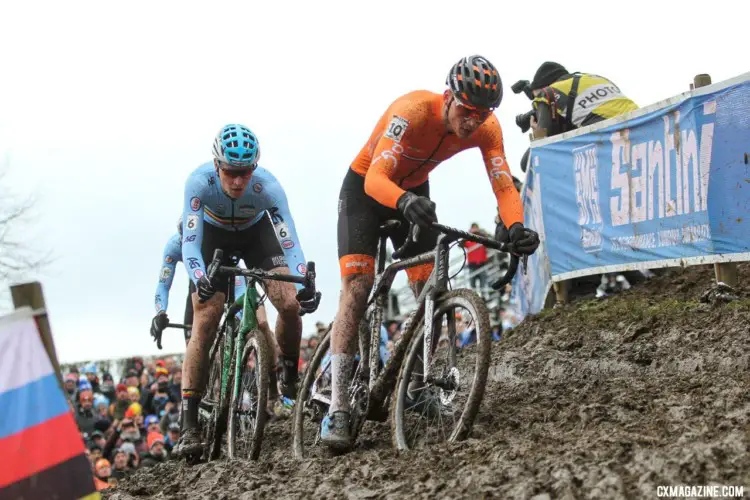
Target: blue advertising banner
666 185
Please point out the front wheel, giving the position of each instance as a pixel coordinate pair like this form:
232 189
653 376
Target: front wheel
247 410
443 407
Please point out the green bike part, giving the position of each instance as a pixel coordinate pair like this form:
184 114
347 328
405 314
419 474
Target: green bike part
249 322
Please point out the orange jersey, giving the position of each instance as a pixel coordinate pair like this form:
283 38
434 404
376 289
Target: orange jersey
411 139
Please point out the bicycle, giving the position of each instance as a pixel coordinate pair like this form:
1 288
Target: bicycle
373 386
241 360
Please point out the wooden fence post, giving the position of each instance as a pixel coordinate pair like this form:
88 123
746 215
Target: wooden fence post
725 272
30 294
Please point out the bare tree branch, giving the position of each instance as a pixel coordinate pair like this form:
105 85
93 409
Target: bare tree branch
17 258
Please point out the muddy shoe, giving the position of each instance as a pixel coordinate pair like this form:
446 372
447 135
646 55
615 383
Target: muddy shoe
189 444
335 432
288 378
283 407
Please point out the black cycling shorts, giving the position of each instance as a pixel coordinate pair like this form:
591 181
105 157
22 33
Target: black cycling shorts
257 246
359 221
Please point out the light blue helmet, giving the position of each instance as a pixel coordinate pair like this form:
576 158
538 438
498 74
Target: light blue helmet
237 146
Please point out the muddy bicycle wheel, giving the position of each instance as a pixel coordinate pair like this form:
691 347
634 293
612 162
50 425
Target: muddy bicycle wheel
313 400
443 407
247 410
210 400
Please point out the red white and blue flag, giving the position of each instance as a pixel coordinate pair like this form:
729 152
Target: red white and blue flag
43 453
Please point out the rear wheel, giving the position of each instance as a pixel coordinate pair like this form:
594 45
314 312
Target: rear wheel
313 400
247 410
443 407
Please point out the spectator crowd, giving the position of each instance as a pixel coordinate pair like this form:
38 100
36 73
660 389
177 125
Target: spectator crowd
127 423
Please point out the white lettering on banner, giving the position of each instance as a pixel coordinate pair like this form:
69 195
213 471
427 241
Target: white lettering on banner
585 167
664 238
643 174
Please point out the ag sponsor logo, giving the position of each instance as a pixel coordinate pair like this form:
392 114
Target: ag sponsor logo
198 274
278 260
287 244
192 222
190 239
195 203
193 263
396 128
257 187
302 269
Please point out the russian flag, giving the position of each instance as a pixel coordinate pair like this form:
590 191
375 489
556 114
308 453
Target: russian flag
38 433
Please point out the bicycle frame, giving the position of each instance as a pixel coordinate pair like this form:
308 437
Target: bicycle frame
249 322
437 283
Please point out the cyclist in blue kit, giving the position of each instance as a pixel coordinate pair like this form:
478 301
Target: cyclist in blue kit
237 206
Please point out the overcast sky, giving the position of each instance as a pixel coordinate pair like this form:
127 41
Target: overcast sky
105 108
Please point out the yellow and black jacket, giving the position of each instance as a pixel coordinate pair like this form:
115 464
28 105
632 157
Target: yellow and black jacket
581 99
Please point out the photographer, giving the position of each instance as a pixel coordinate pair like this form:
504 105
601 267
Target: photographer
564 101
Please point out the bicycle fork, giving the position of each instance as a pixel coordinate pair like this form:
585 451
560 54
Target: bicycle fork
440 284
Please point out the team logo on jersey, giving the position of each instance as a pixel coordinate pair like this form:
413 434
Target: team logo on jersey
195 203
257 187
168 259
396 128
302 269
287 244
198 274
193 263
211 180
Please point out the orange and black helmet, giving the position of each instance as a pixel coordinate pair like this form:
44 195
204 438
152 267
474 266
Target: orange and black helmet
475 82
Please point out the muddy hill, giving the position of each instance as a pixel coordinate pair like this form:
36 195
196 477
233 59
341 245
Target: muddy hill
597 399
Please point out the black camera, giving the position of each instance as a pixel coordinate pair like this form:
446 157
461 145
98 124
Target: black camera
524 121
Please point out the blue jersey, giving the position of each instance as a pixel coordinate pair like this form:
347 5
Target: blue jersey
172 255
206 202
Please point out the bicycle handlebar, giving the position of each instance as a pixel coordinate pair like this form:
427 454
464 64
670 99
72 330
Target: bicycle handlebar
457 234
215 269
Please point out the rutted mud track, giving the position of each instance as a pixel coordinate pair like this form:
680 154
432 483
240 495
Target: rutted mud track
594 400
